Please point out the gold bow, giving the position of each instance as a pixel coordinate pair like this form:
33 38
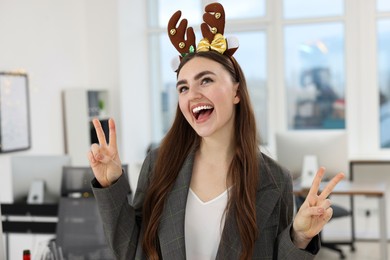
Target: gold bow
218 44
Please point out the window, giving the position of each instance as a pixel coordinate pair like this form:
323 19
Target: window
251 9
383 5
191 10
314 74
314 8
314 55
252 57
383 58
314 64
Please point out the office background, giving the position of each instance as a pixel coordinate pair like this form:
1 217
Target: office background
109 45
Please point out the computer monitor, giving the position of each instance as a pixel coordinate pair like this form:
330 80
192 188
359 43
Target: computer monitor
330 147
29 169
106 131
2 246
76 180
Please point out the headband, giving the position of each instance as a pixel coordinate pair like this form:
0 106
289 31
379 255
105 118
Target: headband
183 38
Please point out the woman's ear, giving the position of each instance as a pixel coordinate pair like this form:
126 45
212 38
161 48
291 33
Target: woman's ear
237 96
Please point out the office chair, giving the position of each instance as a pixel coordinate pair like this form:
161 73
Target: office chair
80 229
338 212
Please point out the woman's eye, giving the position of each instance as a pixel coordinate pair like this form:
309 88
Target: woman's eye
182 89
206 80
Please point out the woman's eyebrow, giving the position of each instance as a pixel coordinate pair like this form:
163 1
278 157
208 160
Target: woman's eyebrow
181 82
201 74
197 77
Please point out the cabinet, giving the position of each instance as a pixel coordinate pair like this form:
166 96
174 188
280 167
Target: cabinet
80 106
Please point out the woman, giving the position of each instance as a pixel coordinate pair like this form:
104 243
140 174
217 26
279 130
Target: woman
207 192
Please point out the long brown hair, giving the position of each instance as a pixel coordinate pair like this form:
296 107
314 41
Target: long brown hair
181 139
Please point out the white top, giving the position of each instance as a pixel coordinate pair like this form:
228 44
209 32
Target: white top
204 222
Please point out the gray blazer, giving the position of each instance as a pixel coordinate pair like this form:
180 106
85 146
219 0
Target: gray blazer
122 222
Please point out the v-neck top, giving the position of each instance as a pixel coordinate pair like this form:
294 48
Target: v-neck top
204 223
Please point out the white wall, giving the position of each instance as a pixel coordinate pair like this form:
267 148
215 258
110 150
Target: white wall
134 82
66 44
60 44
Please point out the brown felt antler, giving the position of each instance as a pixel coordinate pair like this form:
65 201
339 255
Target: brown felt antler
183 38
214 18
177 34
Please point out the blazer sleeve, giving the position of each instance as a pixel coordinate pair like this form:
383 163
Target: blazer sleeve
121 220
285 247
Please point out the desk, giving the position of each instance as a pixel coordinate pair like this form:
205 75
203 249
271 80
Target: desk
26 224
366 189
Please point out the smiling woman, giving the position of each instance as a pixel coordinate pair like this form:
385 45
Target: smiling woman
212 93
210 155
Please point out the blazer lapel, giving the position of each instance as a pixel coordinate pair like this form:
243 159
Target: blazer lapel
171 229
230 245
266 198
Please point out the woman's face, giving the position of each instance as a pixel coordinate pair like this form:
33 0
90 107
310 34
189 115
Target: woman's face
207 97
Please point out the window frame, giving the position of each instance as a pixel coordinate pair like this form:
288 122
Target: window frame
360 56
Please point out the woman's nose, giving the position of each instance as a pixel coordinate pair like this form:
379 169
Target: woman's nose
195 93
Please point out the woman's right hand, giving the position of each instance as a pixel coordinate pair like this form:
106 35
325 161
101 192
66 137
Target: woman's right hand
104 157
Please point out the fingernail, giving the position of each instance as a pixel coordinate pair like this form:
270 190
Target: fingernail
321 210
100 157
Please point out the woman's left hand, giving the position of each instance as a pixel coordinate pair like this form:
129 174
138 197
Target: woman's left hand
315 211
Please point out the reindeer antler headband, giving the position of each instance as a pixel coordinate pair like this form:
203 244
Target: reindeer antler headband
212 31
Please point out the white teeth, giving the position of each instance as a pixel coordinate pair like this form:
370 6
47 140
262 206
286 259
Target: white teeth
197 109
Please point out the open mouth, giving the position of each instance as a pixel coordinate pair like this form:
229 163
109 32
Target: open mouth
202 112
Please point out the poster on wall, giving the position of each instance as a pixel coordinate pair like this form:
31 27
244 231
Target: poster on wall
14 112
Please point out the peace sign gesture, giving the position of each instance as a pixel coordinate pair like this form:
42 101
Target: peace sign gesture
104 157
315 211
